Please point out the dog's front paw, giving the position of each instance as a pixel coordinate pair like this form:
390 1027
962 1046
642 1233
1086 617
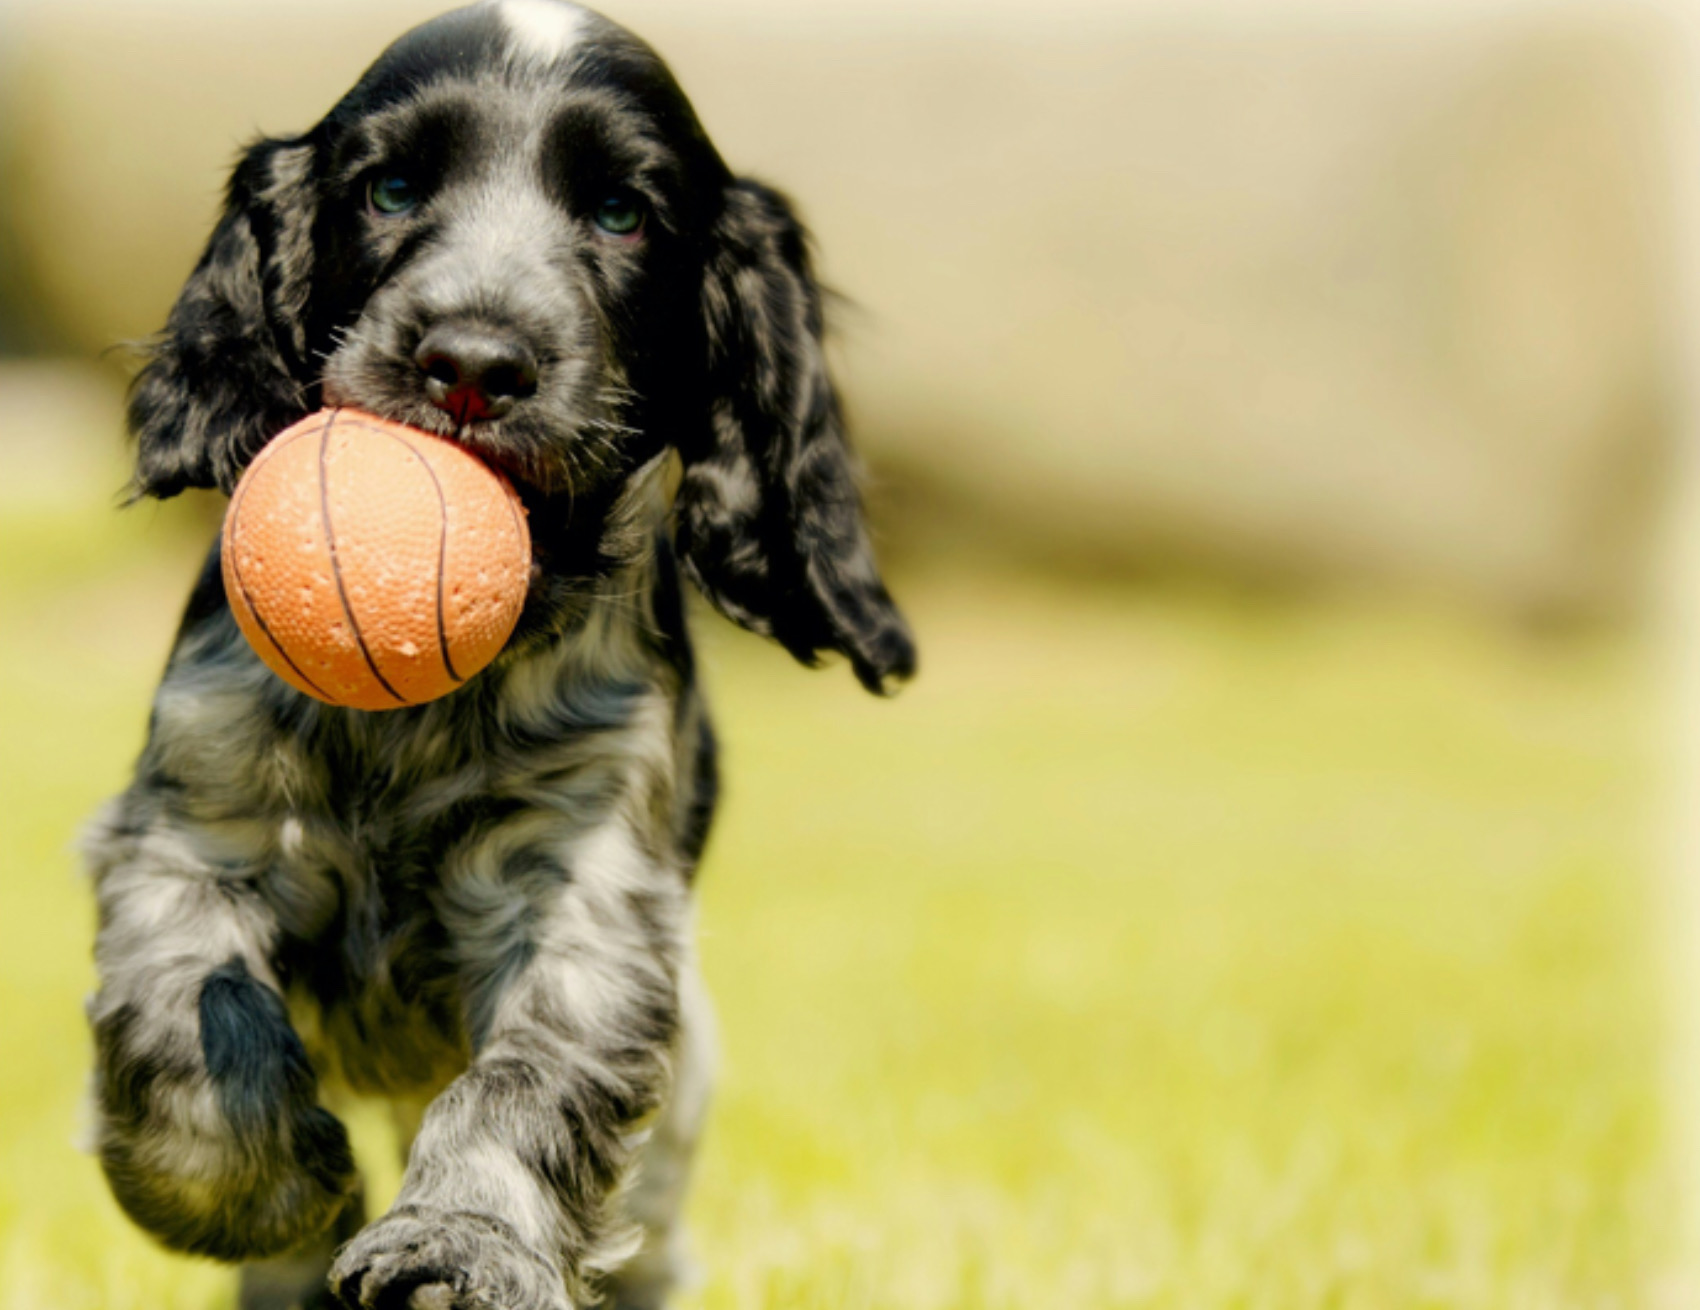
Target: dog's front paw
416 1258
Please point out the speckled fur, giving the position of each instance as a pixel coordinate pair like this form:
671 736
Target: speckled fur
479 906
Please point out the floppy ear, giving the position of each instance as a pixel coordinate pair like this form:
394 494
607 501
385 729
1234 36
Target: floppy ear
768 520
227 373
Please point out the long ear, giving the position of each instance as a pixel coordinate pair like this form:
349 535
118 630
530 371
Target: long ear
768 517
228 371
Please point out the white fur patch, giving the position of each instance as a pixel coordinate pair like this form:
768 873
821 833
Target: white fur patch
543 29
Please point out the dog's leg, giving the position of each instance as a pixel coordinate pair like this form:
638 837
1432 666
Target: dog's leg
569 951
208 1124
297 1281
656 1198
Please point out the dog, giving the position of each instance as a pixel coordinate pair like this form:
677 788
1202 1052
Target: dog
513 232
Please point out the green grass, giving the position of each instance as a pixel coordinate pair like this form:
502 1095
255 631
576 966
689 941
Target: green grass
1156 949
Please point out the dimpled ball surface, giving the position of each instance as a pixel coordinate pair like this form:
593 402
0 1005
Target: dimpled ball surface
373 565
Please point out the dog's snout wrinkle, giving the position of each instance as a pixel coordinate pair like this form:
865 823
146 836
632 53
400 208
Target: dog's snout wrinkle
474 372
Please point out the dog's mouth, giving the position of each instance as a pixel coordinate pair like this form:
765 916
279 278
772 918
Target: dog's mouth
567 426
544 463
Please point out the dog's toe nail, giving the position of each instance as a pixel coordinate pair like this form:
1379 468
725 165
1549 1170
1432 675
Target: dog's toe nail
433 1296
343 1287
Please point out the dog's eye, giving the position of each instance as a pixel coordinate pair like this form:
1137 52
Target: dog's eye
620 214
392 194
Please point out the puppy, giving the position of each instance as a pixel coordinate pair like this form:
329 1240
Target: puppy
513 232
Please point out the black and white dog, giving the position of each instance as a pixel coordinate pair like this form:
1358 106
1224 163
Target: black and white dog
514 232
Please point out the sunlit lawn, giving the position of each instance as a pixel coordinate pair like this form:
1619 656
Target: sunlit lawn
1155 949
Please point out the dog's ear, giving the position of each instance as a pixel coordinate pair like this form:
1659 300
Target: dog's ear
768 516
227 373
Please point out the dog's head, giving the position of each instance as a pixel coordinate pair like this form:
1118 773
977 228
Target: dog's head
514 232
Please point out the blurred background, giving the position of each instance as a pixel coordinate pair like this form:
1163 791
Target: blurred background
1272 411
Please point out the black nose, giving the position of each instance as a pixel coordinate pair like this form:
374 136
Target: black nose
475 372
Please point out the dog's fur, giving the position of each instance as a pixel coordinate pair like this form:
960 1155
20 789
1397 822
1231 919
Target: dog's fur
477 907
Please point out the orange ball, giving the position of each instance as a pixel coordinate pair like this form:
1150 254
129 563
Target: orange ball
373 565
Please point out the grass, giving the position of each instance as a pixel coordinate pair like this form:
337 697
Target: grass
1157 949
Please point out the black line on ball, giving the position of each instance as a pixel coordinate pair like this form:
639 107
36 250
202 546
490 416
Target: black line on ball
248 598
442 548
336 567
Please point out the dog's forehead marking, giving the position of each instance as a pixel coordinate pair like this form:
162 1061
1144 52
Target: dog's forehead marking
544 29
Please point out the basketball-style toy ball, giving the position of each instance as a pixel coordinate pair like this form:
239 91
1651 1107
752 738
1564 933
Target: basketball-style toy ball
373 565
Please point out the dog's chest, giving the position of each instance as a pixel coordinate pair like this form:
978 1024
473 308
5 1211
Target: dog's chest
359 898
379 886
